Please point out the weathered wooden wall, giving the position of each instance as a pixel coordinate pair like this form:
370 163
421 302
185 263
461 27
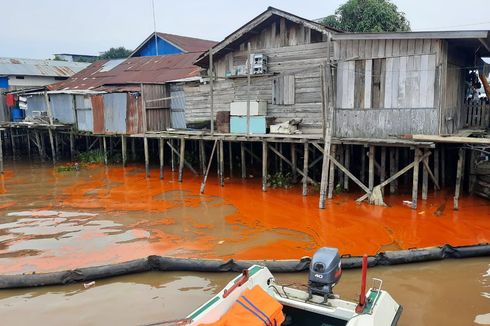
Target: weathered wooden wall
98 114
387 87
134 115
299 65
157 112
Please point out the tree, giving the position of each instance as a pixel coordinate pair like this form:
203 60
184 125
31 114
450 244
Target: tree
368 16
116 53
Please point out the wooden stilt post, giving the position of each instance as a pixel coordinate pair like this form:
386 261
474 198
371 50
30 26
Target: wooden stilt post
280 161
221 163
147 156
104 145
443 166
230 158
459 177
265 163
28 136
294 160
202 156
415 179
124 153
39 144
436 166
161 147
397 164
51 141
72 146
133 149
56 144
363 164
393 169
371 167
347 165
181 159
382 174
1 152
206 173
305 169
86 143
242 157
12 141
331 174
425 177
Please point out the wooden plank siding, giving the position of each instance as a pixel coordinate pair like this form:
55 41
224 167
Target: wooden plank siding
157 107
393 89
98 113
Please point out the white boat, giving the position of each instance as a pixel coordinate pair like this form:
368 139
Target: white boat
317 306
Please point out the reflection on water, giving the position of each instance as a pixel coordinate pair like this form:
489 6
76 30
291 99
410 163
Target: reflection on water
453 292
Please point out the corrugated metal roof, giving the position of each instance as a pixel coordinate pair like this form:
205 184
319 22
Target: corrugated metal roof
35 67
150 70
188 44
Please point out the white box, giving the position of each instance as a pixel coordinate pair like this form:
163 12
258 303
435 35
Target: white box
256 108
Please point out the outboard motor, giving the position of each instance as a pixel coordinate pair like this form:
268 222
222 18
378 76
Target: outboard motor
325 272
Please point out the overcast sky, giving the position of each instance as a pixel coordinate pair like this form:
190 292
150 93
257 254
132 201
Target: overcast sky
37 29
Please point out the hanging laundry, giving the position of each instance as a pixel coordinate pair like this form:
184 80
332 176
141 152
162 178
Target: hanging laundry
10 99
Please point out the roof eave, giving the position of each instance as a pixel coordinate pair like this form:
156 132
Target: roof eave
412 35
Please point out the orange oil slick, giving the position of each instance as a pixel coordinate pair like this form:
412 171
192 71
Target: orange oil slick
136 216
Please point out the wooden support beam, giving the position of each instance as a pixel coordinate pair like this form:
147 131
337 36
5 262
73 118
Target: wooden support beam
147 156
104 147
431 175
350 175
347 166
436 168
294 160
12 140
281 167
230 158
221 163
265 162
324 183
181 159
371 167
252 154
305 169
382 174
331 173
51 142
161 152
124 153
459 177
211 89
394 177
72 145
425 178
133 149
242 158
174 150
28 135
363 164
202 156
393 168
415 179
275 151
206 173
40 145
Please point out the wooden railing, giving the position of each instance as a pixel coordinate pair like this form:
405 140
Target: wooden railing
476 115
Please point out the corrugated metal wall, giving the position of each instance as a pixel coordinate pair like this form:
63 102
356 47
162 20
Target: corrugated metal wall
35 103
4 114
177 107
134 119
115 105
62 107
83 108
98 113
157 112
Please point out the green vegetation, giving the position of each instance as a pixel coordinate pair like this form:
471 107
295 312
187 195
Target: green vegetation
116 53
93 156
368 16
68 167
280 180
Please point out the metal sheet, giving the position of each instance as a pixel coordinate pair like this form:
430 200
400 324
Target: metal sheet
85 120
34 67
35 105
115 105
62 107
177 106
98 113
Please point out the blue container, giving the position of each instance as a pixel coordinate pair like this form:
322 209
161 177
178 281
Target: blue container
238 125
17 114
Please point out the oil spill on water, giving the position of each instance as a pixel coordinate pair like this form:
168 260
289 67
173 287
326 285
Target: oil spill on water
452 292
55 221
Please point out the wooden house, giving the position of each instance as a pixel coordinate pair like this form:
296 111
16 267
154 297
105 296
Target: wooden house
294 47
407 83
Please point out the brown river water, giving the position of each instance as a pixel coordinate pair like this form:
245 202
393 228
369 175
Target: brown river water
53 221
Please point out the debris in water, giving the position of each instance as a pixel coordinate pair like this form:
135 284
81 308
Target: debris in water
89 284
407 203
221 242
440 209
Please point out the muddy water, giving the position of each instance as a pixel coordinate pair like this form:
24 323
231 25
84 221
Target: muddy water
439 293
58 220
